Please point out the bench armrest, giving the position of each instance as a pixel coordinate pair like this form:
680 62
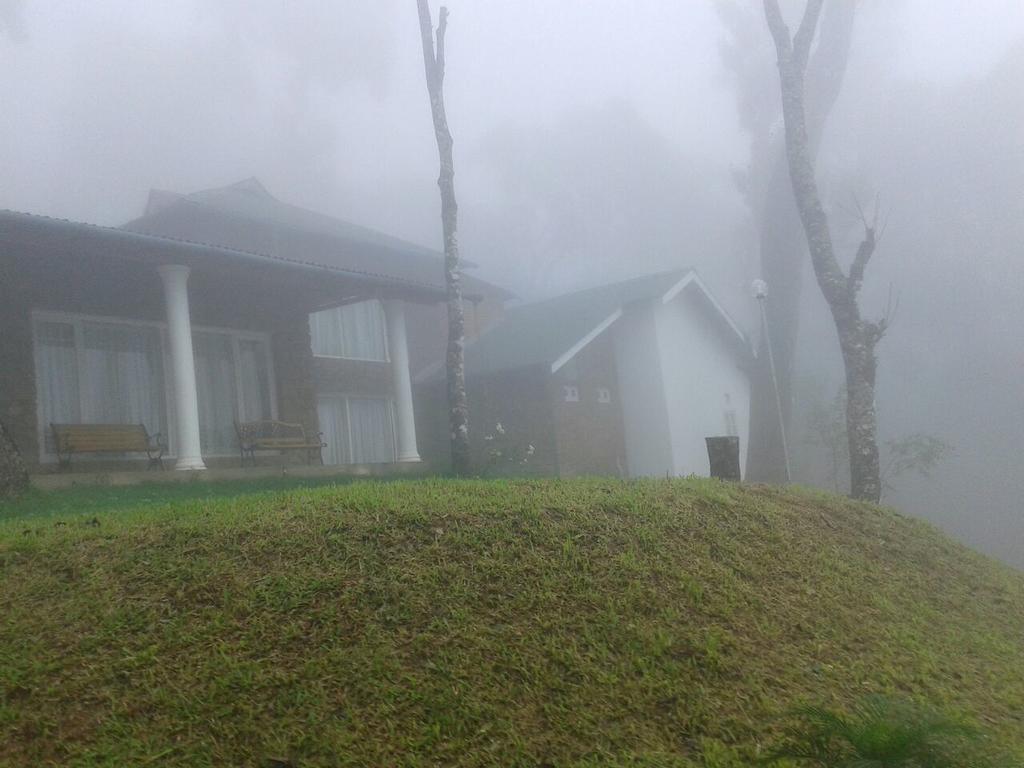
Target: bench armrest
158 440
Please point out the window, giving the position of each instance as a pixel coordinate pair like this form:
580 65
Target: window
93 372
571 393
354 331
357 430
604 395
99 371
233 384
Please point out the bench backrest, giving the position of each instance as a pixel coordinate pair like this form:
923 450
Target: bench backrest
271 432
90 438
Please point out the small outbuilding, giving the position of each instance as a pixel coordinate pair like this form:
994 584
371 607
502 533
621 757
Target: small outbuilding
626 379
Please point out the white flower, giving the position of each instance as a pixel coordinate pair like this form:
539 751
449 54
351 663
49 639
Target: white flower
529 450
499 429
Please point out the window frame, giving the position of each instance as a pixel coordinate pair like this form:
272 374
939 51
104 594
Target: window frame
387 348
77 319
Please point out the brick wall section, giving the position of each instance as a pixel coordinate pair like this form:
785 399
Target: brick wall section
17 366
293 366
589 434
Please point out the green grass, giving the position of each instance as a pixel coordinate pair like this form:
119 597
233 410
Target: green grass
94 499
512 623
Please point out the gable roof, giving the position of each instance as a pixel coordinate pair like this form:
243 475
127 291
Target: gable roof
246 216
552 332
66 237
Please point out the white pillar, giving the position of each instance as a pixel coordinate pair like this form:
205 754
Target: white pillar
186 399
398 348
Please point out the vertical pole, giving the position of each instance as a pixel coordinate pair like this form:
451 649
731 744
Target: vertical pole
775 385
186 398
398 349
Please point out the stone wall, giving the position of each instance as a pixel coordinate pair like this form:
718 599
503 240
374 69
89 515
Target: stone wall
17 366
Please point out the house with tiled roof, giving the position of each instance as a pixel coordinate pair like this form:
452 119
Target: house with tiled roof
212 310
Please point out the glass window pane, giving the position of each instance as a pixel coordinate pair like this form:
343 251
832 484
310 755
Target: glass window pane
334 425
254 378
218 394
57 371
373 439
353 331
121 376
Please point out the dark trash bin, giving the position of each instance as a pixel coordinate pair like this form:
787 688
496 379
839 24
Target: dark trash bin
724 456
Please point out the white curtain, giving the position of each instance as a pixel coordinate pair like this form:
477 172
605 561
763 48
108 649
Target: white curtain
218 394
254 378
334 425
113 373
360 433
373 438
354 331
121 376
110 374
57 370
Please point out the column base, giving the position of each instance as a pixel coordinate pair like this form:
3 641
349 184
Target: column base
186 464
410 458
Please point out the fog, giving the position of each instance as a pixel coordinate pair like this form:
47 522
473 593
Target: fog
594 141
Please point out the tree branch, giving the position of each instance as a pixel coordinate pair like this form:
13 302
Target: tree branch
805 34
426 34
442 28
860 261
777 26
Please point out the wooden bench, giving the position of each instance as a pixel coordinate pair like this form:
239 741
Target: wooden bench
277 436
70 439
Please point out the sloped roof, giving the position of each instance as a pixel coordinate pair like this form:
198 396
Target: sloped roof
245 215
74 237
550 332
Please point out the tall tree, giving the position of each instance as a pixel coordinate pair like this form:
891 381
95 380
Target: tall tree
458 409
857 337
780 236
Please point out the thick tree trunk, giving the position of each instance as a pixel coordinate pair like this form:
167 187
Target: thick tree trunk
13 475
458 409
783 249
857 337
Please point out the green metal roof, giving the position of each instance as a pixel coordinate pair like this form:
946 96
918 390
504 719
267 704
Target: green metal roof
541 332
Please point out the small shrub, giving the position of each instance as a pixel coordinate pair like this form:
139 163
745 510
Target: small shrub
879 733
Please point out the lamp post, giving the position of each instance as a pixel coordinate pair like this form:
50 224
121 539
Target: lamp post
760 290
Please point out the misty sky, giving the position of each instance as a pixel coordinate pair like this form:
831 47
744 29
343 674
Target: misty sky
324 101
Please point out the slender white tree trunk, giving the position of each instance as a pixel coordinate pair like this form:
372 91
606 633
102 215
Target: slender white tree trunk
458 409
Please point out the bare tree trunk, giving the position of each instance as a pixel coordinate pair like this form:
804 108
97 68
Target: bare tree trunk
783 249
458 409
857 337
13 475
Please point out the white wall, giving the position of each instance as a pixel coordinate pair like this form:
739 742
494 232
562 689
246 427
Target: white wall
675 368
699 368
642 393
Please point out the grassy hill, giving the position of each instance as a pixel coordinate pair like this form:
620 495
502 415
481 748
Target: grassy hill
590 623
